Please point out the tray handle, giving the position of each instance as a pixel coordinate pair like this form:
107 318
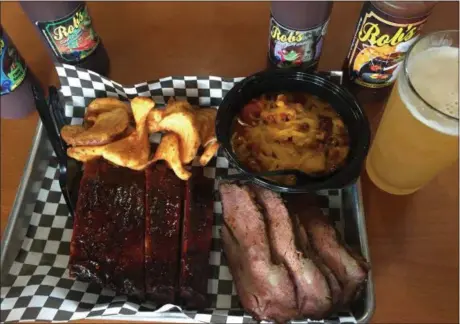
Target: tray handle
52 117
52 130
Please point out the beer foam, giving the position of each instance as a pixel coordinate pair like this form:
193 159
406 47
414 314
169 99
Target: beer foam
434 75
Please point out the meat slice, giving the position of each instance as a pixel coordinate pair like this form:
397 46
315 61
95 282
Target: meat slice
264 288
334 284
196 240
349 268
164 196
307 249
312 289
107 244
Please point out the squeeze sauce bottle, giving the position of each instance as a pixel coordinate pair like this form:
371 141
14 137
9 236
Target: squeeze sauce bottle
296 35
384 33
67 30
16 98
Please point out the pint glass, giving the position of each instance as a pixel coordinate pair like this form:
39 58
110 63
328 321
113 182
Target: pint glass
418 134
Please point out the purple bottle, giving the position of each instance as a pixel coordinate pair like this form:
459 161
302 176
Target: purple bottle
296 35
67 30
16 99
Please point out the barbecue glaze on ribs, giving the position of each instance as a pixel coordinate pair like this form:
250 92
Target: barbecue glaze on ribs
107 244
196 240
127 232
164 198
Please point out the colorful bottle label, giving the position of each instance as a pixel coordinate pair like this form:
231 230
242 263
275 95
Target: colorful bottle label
379 47
71 38
12 69
288 47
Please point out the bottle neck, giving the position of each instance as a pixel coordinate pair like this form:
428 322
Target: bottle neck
301 15
405 9
49 10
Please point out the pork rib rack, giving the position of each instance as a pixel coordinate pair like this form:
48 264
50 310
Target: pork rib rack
164 197
127 232
107 244
196 240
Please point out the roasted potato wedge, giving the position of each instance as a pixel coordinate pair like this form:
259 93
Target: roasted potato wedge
206 121
184 125
177 106
106 127
85 153
169 151
209 151
69 132
102 105
194 126
153 120
156 115
132 151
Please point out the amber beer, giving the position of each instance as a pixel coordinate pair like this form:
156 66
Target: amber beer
418 134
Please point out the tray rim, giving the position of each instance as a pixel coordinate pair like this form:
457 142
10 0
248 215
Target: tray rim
13 223
358 205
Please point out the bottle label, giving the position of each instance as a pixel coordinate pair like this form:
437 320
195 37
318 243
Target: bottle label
289 47
71 38
12 69
379 47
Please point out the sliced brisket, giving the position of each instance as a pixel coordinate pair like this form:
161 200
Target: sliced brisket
349 268
296 206
264 288
312 289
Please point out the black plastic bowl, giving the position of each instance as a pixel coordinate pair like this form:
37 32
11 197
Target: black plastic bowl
292 81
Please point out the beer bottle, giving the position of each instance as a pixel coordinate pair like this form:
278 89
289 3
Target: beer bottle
67 30
383 34
296 35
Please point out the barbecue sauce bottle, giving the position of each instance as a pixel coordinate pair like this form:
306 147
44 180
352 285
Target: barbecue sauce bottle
16 98
66 28
296 35
383 35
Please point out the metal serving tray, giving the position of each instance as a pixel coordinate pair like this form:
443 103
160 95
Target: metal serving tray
354 229
34 173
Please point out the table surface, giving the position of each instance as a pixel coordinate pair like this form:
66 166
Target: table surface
413 239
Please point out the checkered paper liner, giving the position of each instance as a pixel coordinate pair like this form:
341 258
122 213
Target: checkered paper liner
38 286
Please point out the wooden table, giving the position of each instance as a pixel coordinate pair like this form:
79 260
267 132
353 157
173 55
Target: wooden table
413 239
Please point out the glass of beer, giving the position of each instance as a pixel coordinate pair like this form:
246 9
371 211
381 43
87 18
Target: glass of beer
418 134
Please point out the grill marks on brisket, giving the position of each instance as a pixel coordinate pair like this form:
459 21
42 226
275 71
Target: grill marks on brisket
313 294
164 197
107 245
264 288
196 240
